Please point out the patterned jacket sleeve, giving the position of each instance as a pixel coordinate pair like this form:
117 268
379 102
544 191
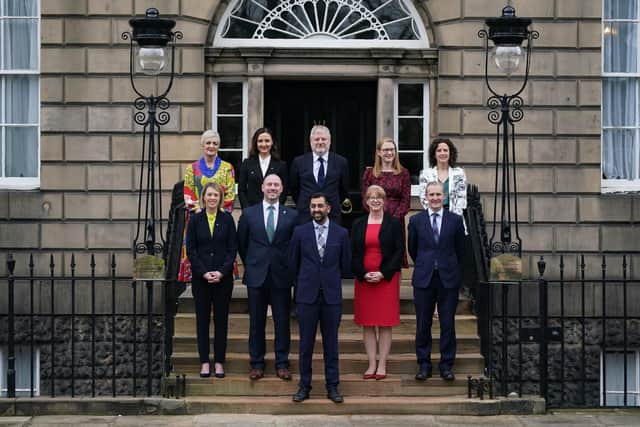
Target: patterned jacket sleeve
426 176
190 197
405 202
228 181
458 193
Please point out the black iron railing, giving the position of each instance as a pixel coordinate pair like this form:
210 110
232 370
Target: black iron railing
88 334
575 342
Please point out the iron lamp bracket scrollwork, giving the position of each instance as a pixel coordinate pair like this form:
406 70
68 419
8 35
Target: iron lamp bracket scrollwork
507 33
152 47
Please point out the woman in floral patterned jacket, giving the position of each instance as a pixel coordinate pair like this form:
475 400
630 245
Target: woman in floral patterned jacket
442 156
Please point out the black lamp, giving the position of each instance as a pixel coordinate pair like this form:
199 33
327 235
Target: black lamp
507 33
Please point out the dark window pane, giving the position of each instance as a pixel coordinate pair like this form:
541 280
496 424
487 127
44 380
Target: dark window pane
22 152
410 99
414 164
229 98
410 134
230 130
233 157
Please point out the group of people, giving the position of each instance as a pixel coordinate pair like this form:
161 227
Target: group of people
306 248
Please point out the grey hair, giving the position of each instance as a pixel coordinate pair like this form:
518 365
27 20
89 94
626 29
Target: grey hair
430 183
209 134
317 128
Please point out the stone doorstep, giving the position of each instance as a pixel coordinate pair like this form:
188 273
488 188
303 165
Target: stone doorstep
350 385
349 343
466 324
318 404
188 363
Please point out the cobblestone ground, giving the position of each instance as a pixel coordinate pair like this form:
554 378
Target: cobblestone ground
629 418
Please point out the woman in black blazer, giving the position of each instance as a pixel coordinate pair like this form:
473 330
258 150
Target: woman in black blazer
377 245
211 248
263 160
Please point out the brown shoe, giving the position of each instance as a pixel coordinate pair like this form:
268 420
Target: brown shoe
256 373
284 374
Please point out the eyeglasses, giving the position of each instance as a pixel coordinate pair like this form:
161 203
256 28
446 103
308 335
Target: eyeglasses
387 150
375 198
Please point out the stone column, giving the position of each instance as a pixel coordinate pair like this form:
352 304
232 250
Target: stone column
384 109
255 94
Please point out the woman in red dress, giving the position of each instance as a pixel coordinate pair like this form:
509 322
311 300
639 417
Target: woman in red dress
388 173
377 246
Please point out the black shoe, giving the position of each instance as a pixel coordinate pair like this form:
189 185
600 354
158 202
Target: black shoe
447 375
301 395
423 374
334 395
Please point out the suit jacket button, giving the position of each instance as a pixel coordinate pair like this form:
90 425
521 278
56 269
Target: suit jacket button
211 254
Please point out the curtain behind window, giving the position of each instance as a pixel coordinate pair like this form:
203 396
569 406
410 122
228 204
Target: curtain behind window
620 139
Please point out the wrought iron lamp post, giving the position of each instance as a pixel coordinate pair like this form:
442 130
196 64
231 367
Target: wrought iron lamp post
151 51
508 33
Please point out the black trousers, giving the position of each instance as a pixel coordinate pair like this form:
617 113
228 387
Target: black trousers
205 296
280 300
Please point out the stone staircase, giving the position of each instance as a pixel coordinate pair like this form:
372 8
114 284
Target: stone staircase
399 393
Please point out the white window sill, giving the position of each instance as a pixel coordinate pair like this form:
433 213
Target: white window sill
19 183
616 186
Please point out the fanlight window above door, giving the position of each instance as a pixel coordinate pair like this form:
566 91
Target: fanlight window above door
322 23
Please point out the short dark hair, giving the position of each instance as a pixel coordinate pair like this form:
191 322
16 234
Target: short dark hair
318 195
453 152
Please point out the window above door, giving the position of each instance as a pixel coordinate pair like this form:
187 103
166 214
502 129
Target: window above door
322 24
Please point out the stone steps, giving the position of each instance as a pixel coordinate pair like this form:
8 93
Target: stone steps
349 343
466 324
363 405
350 385
239 300
350 363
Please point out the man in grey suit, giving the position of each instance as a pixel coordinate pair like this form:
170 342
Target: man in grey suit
264 231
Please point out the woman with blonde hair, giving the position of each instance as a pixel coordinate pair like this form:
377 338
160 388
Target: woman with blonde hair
377 246
388 173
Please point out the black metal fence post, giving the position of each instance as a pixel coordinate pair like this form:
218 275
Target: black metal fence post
543 297
11 356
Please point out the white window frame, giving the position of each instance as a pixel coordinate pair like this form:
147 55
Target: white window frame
617 185
422 43
18 183
25 351
426 123
636 361
245 108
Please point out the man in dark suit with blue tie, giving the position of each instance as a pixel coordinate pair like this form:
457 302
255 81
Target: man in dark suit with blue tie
319 255
264 232
319 171
436 245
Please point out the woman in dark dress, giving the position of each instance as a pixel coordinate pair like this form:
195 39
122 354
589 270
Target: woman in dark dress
263 160
388 173
377 246
211 248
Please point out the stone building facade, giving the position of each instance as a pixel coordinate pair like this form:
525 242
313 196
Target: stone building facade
85 200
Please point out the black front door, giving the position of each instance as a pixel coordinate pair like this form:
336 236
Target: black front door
347 108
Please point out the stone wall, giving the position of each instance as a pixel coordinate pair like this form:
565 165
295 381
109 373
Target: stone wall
573 366
57 352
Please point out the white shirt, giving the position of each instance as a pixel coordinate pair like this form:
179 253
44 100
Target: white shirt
438 219
264 164
316 164
265 211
